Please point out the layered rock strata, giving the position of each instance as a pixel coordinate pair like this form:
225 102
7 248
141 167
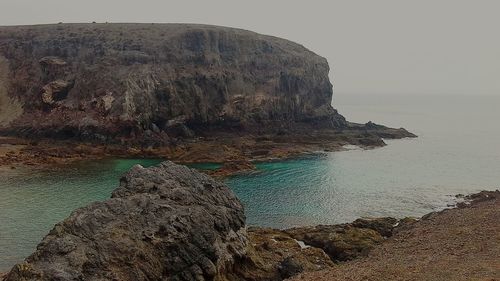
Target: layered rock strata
133 82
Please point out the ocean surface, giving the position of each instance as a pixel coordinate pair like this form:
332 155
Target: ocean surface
457 151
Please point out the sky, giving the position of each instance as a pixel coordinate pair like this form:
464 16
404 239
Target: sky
374 47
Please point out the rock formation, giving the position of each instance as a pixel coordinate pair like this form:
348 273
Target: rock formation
346 241
273 255
126 82
163 223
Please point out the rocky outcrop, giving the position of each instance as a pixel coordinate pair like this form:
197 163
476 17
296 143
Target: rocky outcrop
345 242
339 242
163 223
131 82
273 255
384 226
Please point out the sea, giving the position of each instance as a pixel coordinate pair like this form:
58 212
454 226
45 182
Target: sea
457 152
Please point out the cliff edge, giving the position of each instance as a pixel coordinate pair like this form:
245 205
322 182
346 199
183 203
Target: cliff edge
129 82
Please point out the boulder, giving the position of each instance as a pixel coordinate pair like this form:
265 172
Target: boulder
290 267
52 61
274 255
340 242
384 226
162 223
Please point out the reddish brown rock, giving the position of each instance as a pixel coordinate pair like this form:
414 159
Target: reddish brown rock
182 78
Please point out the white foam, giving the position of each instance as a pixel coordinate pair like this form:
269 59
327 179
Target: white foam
302 244
351 147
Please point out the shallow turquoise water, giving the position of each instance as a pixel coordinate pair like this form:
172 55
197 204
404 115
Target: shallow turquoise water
456 152
31 202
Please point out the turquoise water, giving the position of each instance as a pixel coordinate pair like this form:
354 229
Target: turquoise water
456 152
31 202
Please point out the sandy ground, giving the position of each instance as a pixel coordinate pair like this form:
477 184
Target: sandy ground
455 244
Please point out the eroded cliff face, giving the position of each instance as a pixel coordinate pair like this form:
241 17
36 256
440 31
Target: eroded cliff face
114 82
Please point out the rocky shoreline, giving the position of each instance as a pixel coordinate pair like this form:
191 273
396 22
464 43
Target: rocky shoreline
234 150
199 94
173 222
461 243
184 92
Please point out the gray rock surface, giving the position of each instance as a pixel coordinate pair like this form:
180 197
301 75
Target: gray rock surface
117 80
163 223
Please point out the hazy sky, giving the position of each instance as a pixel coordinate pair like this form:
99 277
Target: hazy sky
373 46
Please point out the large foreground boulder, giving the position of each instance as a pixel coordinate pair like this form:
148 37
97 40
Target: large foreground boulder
163 223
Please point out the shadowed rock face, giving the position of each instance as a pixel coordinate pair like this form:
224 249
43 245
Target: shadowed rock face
166 222
125 81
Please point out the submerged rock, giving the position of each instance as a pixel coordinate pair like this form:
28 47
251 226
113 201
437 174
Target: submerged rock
233 167
163 223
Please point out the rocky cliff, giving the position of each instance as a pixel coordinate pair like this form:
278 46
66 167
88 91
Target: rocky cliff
111 82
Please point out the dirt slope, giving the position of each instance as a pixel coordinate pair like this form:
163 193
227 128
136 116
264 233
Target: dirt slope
455 244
